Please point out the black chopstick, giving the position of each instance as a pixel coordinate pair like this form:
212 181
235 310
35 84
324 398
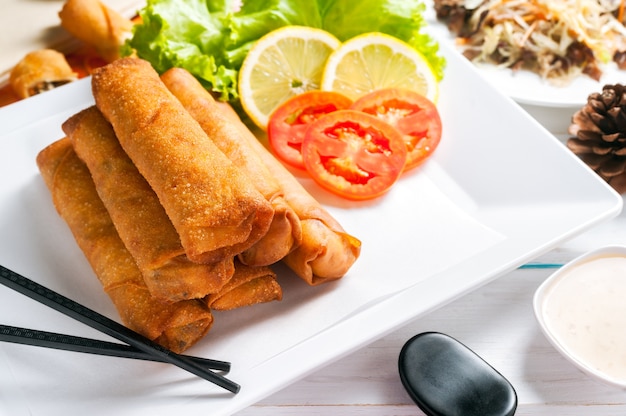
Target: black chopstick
27 336
105 325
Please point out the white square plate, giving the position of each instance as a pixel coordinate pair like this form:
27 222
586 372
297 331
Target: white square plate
499 191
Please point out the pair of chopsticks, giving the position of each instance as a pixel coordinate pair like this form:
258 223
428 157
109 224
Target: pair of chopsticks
137 346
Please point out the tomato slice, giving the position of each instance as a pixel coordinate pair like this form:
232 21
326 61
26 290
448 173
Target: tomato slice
414 115
288 123
353 154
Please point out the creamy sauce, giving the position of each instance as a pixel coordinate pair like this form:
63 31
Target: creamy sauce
586 311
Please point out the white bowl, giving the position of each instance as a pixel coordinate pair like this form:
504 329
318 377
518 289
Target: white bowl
581 309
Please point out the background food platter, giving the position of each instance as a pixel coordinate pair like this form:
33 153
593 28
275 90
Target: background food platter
26 26
526 87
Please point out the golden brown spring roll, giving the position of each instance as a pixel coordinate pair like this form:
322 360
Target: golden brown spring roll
326 252
40 71
249 286
176 326
215 208
138 216
97 25
285 232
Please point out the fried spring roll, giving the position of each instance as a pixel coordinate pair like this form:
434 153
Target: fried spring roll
97 25
40 71
285 232
176 326
138 216
215 208
249 286
326 252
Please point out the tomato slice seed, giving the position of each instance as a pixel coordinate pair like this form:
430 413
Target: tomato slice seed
412 114
353 154
288 123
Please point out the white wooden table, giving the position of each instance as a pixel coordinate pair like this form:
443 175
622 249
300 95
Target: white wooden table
496 321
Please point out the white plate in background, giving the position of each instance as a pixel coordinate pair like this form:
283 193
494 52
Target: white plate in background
526 87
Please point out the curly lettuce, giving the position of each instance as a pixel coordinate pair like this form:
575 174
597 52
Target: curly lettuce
210 38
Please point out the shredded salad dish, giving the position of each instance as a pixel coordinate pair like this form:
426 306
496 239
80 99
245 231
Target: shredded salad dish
558 40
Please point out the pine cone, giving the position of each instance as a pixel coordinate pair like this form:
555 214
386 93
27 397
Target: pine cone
600 135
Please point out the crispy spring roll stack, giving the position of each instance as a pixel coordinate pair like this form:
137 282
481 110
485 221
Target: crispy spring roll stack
213 205
326 252
285 232
249 286
176 326
138 216
97 25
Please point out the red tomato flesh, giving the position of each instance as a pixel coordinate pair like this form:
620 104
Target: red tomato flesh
353 154
414 115
288 123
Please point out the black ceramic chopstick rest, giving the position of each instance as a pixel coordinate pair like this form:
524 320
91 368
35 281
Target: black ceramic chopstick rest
445 378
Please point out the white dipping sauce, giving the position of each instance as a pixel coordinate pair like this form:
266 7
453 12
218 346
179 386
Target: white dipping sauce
585 309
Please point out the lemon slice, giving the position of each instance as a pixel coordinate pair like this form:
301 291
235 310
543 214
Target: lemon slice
285 62
375 60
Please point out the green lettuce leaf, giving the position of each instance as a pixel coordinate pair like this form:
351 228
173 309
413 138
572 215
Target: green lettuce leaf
210 38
